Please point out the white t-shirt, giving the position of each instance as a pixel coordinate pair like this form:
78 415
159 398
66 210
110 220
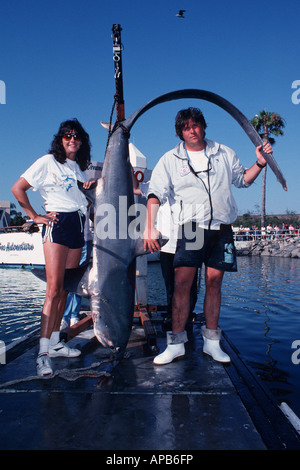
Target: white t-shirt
199 160
57 183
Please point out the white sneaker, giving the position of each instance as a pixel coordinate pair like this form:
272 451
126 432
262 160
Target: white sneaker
62 350
64 325
43 365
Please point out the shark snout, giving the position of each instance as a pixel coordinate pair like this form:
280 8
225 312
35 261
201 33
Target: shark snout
100 333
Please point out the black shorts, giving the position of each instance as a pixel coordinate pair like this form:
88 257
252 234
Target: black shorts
67 231
214 248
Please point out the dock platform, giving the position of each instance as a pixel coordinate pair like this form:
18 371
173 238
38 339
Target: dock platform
91 403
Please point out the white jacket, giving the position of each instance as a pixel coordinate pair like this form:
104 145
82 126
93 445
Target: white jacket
206 197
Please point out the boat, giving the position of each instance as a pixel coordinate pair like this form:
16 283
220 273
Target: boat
22 246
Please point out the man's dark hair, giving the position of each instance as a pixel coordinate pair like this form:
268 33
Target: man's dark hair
183 117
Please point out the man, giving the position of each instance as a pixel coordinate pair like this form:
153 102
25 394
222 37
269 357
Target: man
196 178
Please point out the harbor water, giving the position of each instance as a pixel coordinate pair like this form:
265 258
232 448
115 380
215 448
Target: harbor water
260 314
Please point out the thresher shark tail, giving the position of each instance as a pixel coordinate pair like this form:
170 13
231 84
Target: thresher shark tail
222 103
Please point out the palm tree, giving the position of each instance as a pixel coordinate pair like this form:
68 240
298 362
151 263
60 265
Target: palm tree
16 218
266 124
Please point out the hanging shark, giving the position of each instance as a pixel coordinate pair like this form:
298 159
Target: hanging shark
109 281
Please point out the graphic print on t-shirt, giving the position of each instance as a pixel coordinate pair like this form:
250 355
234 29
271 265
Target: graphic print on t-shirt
66 181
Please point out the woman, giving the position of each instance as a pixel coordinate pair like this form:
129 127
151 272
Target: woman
55 175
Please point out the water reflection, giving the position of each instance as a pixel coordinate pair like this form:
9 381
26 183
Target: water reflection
22 296
260 313
270 361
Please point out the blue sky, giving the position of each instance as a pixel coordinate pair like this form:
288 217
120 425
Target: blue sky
56 63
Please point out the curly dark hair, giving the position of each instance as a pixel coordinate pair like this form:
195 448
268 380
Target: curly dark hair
83 156
183 117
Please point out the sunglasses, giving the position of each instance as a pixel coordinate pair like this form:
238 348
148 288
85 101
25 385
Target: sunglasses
70 135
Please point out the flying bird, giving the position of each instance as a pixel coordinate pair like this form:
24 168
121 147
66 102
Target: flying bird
180 14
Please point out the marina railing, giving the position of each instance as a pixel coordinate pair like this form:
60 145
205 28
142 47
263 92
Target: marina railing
258 234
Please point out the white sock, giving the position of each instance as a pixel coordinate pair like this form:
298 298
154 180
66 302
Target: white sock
44 346
54 338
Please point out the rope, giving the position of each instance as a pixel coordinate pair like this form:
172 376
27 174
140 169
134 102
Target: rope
68 374
117 124
110 130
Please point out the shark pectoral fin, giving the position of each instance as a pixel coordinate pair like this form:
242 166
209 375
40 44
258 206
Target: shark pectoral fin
139 247
90 193
106 125
77 280
40 273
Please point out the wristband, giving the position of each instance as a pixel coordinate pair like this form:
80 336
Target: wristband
260 165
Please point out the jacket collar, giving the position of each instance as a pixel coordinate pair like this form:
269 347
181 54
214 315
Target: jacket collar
211 149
